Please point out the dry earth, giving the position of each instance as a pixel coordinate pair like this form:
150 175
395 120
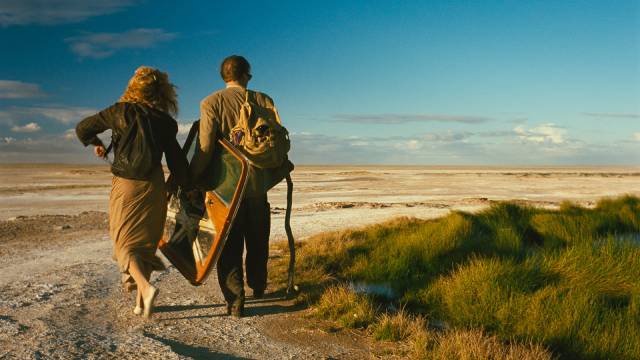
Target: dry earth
59 290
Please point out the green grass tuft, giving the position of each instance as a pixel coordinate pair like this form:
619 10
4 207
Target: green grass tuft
474 345
348 308
511 281
396 327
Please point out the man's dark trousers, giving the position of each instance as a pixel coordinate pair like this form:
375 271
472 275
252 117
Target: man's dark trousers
251 226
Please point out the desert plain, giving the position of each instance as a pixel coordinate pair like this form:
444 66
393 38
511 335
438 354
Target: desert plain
60 295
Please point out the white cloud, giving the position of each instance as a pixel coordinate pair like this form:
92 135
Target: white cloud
414 144
408 118
636 136
70 134
359 143
447 137
48 148
28 128
356 141
613 115
546 133
64 115
51 12
102 45
310 148
10 89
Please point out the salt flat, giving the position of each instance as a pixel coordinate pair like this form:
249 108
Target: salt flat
335 197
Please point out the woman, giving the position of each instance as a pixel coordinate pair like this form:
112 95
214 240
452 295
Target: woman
142 129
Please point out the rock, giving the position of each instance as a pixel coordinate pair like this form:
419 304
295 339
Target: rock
62 227
45 291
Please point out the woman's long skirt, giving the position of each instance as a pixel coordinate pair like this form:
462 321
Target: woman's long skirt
137 212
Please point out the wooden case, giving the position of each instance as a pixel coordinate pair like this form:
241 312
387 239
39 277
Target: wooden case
195 233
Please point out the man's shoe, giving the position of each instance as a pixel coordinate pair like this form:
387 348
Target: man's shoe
258 294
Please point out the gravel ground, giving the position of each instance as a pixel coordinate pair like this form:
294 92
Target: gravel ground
60 298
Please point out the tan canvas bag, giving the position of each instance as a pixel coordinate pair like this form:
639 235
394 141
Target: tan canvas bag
259 134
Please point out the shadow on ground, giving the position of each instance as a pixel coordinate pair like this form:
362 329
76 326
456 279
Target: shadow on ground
196 352
172 308
270 305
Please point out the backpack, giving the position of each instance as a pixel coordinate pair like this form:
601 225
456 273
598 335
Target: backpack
135 152
259 134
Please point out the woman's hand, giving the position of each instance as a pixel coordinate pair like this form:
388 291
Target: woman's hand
100 151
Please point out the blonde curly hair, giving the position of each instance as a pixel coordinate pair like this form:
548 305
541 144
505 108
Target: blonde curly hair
151 87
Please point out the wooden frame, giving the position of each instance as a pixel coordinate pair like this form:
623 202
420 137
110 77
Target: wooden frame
216 206
221 214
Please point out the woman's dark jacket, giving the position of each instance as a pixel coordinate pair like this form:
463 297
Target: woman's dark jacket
151 127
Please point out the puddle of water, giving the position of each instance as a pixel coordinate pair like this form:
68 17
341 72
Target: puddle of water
383 290
634 238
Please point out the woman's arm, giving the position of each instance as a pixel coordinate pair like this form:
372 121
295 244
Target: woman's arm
177 163
88 129
176 158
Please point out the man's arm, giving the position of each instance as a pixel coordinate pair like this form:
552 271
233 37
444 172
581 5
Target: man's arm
207 137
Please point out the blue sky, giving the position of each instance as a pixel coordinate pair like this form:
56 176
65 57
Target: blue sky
356 82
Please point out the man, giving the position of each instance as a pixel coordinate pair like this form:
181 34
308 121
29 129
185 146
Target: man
219 113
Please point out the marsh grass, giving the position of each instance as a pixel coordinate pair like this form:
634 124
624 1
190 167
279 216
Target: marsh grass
346 307
509 280
397 326
473 345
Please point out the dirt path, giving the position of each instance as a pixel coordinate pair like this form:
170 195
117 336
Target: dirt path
60 298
